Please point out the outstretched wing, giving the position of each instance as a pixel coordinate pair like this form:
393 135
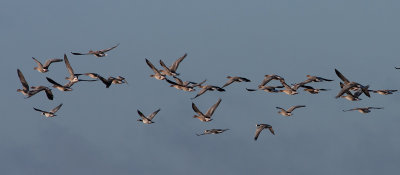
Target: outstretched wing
56 108
195 109
210 111
23 81
152 115
38 63
69 68
111 48
76 53
230 81
48 62
152 67
141 115
174 66
258 131
39 110
53 82
294 107
340 75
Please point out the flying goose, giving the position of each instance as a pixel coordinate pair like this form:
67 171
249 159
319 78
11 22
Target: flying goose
207 88
289 90
289 111
212 131
29 93
50 113
207 116
72 76
157 75
350 85
363 110
98 53
350 96
235 79
383 91
260 127
60 87
45 68
171 71
148 119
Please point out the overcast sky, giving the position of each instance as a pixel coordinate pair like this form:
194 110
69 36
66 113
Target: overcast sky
96 131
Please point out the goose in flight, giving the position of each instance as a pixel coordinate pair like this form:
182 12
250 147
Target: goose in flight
207 116
261 127
97 53
171 71
235 79
289 111
148 119
212 131
311 78
157 75
29 93
289 90
49 113
350 85
72 76
45 68
363 110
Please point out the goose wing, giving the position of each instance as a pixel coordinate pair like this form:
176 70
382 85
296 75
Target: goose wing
174 66
108 49
295 107
38 63
48 62
152 115
210 111
23 81
341 76
56 108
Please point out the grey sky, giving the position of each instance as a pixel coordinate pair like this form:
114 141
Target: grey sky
96 131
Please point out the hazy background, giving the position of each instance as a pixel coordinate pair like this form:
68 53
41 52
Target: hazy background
96 131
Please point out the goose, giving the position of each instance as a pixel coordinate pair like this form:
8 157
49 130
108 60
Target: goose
148 119
208 88
45 68
29 93
50 113
350 85
289 90
212 131
289 111
235 79
363 110
268 78
157 75
383 91
261 127
207 116
350 96
171 71
72 76
98 53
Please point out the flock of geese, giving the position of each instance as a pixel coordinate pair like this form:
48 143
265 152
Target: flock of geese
350 90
